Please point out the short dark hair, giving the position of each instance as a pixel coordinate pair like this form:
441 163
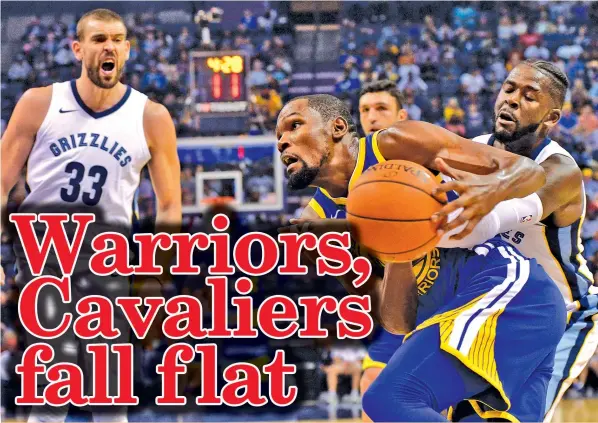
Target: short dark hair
105 15
329 107
560 83
387 86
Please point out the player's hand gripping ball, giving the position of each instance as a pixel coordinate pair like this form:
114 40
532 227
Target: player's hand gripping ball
389 210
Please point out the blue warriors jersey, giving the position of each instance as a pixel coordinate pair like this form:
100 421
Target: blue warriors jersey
436 272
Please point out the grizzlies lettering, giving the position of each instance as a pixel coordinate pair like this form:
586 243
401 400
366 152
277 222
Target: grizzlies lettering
98 141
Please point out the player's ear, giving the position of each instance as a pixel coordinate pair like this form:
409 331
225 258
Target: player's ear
128 46
552 118
402 115
339 128
76 47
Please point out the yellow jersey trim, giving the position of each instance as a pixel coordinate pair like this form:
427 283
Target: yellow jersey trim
486 368
492 414
317 208
359 165
368 363
376 149
340 200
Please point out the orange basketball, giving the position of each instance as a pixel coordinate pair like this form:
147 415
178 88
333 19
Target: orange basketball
389 209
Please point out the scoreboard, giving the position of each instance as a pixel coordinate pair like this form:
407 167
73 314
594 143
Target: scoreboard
218 83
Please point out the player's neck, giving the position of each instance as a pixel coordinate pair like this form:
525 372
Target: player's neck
99 99
335 177
523 146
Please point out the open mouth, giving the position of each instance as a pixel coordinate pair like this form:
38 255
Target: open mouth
507 117
108 66
290 162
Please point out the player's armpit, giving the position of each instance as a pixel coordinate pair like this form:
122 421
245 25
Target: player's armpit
18 139
562 194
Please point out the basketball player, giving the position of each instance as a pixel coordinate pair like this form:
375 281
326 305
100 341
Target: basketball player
380 105
319 147
527 108
85 143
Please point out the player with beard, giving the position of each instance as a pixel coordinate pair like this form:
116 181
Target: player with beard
433 369
85 143
528 106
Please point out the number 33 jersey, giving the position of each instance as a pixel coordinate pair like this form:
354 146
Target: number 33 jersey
86 159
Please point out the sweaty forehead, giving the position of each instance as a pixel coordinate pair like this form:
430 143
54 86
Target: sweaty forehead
527 75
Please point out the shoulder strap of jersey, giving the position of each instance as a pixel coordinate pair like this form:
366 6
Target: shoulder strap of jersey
484 139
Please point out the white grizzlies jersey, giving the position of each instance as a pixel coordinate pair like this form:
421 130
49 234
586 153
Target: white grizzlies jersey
83 158
558 250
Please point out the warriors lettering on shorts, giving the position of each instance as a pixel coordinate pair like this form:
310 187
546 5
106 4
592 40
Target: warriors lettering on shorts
98 141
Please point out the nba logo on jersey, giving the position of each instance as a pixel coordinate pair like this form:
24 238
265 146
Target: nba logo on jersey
527 218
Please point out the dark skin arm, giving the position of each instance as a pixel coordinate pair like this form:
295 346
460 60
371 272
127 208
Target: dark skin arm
498 174
561 196
393 297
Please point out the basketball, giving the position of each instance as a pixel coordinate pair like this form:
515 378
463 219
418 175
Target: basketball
389 210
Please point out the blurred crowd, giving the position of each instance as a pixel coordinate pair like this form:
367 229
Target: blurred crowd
449 67
159 62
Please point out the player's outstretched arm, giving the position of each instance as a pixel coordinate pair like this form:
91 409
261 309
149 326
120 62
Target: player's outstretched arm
19 136
561 198
165 171
499 175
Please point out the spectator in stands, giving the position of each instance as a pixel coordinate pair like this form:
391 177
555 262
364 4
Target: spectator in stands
266 22
154 80
412 82
520 26
453 109
367 73
413 110
579 94
568 119
249 20
587 127
257 76
19 70
569 51
537 51
434 114
271 104
474 123
455 124
387 71
346 360
544 26
473 82
464 16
